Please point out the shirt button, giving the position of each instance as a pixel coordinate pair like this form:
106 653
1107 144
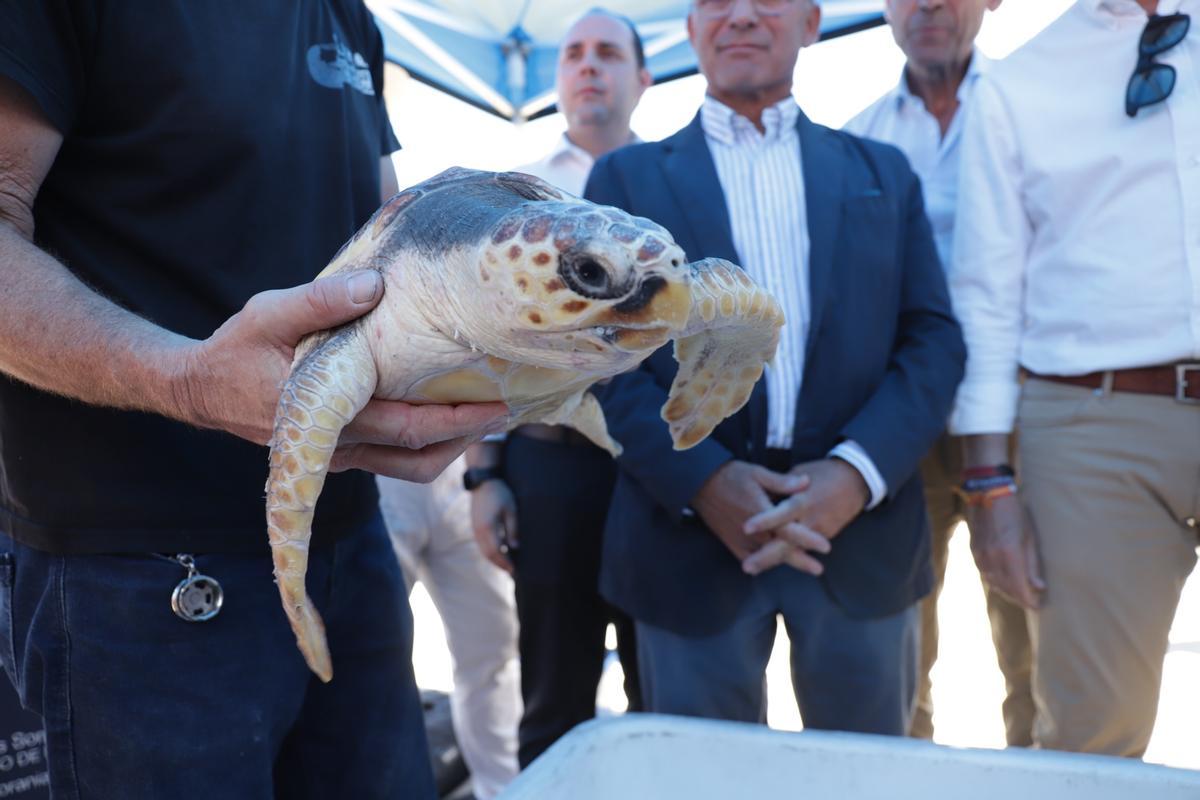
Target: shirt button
1190 522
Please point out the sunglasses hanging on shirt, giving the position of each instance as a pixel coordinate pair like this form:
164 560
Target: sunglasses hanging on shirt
1152 82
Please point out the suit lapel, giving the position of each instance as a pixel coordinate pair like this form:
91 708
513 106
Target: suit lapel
824 194
692 178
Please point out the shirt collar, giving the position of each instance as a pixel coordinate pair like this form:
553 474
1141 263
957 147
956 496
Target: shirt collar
1130 8
721 123
564 148
979 65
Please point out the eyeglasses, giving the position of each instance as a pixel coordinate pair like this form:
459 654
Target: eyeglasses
720 8
1152 82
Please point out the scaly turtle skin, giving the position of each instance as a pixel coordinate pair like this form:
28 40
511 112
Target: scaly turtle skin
501 287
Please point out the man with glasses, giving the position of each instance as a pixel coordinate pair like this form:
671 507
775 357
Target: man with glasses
923 116
1077 265
806 503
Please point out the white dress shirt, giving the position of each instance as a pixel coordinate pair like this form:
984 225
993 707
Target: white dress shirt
762 177
566 166
900 118
1078 236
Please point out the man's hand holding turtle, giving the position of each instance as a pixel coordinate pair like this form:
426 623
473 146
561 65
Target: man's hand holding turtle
231 381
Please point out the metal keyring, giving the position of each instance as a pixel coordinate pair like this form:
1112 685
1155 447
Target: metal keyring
197 599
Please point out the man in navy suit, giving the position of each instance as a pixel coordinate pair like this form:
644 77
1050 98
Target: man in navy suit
806 503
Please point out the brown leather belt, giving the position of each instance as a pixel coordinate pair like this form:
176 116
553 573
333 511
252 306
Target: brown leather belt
1180 381
560 434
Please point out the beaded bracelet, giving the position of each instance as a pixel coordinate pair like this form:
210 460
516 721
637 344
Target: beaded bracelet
982 486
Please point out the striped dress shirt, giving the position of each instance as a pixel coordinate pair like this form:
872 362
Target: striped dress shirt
762 178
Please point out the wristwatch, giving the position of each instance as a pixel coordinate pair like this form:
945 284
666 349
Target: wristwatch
474 477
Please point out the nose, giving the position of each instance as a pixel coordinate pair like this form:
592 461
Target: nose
743 13
589 64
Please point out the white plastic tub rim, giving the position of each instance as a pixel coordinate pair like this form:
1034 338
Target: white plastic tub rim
662 757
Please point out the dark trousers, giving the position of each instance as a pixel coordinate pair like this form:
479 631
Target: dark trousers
848 674
139 703
562 492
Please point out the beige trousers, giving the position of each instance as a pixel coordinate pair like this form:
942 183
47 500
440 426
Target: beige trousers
941 471
430 527
1112 482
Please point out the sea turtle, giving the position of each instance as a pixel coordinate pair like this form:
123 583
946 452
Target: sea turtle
501 287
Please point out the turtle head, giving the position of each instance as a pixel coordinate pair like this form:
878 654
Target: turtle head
589 278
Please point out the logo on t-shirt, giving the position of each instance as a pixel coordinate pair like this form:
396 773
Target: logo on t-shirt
336 65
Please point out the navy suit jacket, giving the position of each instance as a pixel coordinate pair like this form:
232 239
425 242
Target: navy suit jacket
883 358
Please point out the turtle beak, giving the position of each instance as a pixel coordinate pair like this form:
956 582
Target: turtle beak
658 307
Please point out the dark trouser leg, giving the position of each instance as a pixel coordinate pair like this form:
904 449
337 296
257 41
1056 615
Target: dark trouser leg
562 492
561 643
718 676
849 674
627 650
363 734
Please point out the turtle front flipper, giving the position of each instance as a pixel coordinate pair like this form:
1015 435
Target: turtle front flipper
730 335
583 413
326 389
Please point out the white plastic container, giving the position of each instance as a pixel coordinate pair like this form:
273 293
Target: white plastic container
661 757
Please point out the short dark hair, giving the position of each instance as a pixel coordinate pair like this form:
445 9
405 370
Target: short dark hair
639 51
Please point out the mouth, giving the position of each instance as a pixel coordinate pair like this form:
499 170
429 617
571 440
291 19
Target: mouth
741 49
628 339
929 30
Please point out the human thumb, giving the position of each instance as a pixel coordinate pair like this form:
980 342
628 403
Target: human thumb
288 315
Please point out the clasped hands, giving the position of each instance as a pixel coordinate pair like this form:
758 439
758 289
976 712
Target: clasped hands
769 518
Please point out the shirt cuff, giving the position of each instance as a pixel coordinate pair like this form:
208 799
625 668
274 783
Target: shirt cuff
985 407
853 454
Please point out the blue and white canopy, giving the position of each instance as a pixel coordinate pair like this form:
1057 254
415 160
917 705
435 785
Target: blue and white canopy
500 55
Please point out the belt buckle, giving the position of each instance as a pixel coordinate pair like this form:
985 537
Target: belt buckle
1182 383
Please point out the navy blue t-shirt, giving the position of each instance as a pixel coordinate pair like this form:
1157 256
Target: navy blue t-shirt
211 150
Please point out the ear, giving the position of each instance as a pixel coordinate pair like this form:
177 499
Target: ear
992 5
645 80
812 24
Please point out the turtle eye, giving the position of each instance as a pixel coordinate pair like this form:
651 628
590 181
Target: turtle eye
587 277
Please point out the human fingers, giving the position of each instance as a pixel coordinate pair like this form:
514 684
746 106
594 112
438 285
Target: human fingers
800 560
1007 574
779 483
509 519
803 537
400 424
285 316
778 515
417 465
769 556
488 537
